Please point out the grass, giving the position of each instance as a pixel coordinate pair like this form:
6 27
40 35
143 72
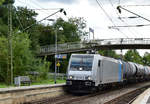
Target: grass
3 85
49 81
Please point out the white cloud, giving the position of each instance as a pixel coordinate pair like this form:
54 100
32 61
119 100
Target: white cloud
60 1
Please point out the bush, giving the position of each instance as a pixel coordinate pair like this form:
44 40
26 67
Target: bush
23 58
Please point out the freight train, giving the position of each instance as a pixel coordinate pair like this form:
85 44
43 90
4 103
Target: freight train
89 72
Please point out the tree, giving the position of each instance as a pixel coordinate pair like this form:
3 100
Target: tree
3 28
4 11
72 31
47 35
80 24
5 2
109 53
4 59
26 40
133 56
23 58
146 59
22 18
1 2
69 33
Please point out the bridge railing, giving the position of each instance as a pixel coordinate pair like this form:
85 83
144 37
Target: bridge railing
123 41
62 47
92 43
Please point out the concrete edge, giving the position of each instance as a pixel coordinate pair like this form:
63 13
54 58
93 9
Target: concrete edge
24 88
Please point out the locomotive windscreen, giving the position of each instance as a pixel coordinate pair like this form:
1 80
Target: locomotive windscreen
81 63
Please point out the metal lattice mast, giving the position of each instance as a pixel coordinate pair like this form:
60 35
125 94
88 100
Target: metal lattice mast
10 41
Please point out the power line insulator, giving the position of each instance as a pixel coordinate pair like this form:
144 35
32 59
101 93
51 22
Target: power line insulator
119 10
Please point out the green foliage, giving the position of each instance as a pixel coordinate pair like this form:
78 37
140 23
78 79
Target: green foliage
47 35
63 66
4 2
23 58
24 17
72 31
109 53
1 1
26 41
80 24
49 81
43 68
21 19
133 56
146 59
3 59
3 28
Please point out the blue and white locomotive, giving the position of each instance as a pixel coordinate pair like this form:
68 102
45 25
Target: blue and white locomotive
88 72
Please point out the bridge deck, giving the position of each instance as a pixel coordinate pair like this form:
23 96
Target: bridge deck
127 43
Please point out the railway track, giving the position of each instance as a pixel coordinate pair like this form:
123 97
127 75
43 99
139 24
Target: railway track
110 96
69 98
50 100
127 98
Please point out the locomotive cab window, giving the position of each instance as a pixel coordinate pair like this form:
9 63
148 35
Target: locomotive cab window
81 63
99 63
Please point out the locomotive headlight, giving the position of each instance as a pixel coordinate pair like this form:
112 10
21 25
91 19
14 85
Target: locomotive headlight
80 69
70 77
89 78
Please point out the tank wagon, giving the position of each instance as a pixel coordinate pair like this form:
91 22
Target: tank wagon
89 72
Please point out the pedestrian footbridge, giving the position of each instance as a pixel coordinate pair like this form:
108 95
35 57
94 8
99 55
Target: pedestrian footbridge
99 44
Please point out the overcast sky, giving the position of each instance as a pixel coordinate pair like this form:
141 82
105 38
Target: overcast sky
95 17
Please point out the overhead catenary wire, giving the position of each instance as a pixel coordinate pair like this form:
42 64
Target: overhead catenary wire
133 13
59 10
39 6
120 7
131 26
105 12
19 21
109 17
34 5
118 2
44 9
21 2
45 18
135 5
120 18
41 9
31 6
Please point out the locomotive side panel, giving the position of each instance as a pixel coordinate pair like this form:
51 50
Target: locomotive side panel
111 71
97 69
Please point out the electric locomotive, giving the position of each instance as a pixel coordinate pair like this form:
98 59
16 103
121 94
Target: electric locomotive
90 72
